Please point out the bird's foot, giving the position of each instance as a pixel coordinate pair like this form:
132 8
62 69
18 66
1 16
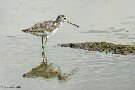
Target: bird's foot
44 62
43 47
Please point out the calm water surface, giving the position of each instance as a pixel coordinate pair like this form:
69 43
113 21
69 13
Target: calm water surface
104 20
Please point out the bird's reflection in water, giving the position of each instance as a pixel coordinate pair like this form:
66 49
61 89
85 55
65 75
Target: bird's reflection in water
48 70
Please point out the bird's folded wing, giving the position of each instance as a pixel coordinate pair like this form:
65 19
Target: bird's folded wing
48 26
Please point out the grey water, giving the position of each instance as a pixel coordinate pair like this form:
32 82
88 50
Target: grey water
99 20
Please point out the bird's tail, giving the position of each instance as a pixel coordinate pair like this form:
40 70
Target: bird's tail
26 30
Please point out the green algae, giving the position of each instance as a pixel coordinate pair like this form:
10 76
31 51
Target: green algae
103 47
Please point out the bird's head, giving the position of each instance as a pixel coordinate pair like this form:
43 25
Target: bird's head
62 18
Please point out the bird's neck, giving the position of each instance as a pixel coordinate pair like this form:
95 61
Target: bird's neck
59 22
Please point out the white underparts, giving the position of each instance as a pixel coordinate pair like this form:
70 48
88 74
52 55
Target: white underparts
45 34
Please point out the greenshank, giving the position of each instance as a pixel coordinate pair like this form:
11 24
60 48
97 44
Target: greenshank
47 28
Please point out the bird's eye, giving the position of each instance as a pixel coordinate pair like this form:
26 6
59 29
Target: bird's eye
64 18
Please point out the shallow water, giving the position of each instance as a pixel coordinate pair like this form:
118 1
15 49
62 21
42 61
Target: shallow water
104 20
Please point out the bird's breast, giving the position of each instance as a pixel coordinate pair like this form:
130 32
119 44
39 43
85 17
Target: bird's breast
54 31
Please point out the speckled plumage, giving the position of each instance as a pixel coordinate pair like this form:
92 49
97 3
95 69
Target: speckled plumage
43 29
46 28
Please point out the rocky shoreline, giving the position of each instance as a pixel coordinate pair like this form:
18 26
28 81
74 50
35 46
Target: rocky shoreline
103 47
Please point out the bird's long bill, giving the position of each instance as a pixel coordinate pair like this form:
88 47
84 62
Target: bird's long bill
72 24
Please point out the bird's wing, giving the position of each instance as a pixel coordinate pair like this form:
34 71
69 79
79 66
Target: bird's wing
48 26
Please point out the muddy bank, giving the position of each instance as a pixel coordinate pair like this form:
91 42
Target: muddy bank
103 47
47 71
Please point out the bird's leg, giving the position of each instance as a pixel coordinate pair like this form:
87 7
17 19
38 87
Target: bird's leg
43 49
43 53
42 42
44 57
45 40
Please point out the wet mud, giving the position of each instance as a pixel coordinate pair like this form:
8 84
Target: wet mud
49 71
103 47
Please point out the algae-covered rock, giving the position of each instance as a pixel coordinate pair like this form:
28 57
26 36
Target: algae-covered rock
103 46
46 71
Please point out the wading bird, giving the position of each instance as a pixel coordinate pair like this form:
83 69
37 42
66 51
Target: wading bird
47 28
